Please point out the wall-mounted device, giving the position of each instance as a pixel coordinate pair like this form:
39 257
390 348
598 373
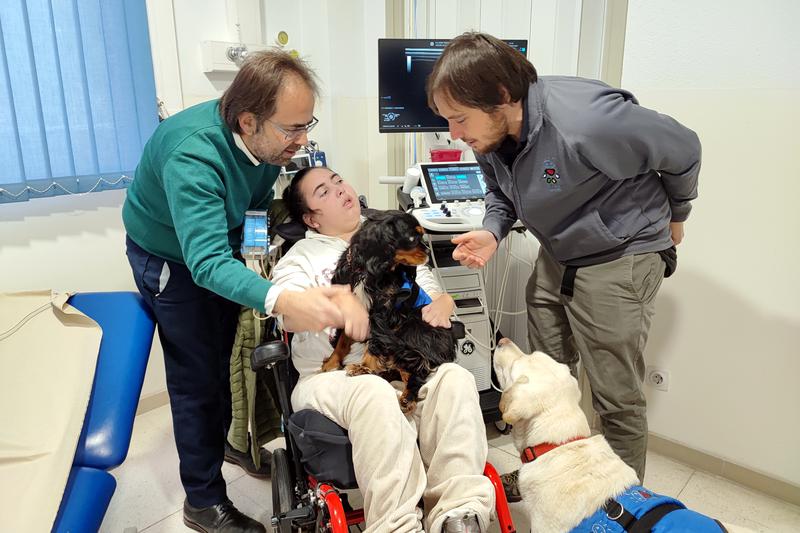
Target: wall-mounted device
221 56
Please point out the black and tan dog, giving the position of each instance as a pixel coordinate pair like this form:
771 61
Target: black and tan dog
382 261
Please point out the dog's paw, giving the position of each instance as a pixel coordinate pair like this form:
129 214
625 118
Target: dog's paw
357 370
331 363
406 406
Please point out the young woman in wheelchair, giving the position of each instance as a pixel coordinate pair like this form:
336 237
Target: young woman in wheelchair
437 453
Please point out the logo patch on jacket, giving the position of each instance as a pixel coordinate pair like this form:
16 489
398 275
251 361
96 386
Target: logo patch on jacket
550 176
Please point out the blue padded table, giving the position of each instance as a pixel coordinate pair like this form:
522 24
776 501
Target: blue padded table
103 444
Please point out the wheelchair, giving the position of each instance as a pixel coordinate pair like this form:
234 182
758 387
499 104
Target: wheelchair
310 475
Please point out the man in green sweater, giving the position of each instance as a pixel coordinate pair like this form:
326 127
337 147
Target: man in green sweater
199 173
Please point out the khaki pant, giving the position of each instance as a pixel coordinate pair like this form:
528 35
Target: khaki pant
605 324
393 472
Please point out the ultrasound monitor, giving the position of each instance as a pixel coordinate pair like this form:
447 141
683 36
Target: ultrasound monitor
449 182
403 69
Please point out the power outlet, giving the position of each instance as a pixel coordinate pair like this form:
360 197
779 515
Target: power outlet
657 378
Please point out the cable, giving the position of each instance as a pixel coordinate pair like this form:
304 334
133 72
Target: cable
502 288
498 311
437 274
500 305
468 335
7 333
252 264
56 184
258 316
471 337
509 313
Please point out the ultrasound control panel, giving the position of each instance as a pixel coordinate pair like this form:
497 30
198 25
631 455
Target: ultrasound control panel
455 192
452 216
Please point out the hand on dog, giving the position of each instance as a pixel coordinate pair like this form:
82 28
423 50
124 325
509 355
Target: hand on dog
310 310
474 248
437 313
355 318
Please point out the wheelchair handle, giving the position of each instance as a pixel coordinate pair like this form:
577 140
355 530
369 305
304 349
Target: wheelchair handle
267 354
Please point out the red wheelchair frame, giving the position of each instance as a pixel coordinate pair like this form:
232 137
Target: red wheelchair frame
339 520
301 502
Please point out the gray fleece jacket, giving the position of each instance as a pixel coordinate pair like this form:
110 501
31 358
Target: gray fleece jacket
600 176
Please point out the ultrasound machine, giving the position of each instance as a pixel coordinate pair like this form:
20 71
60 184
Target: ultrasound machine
454 194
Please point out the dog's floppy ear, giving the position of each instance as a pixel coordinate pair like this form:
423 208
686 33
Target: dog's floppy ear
512 404
374 247
343 275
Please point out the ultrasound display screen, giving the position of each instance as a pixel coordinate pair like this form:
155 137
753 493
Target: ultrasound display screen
403 69
454 181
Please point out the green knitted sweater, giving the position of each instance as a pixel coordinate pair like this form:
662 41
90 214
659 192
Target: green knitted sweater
188 199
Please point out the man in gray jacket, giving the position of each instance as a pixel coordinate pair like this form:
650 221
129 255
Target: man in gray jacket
604 184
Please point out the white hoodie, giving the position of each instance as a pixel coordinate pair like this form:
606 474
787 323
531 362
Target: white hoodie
311 263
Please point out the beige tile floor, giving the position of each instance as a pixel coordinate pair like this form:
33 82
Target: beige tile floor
149 496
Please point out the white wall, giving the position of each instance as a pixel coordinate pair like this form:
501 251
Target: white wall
78 243
339 41
70 243
728 323
345 62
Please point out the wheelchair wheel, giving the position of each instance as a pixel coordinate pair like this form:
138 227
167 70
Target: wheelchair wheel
282 486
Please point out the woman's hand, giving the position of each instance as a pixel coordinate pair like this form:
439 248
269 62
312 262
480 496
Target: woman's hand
438 312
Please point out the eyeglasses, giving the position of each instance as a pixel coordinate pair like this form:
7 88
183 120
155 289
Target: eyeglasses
295 133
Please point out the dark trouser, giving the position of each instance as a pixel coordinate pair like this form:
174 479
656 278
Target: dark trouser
606 323
196 328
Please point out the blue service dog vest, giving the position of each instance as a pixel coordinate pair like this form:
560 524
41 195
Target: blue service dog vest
638 501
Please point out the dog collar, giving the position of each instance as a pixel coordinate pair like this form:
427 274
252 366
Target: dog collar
534 452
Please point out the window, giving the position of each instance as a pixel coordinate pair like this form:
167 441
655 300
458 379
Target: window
77 95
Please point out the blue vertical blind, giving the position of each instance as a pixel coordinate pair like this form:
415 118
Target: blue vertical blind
77 95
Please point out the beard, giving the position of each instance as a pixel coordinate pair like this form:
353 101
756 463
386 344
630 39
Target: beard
269 150
275 156
498 130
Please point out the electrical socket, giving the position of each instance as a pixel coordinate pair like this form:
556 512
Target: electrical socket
657 378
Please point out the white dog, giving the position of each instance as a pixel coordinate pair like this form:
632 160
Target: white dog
572 481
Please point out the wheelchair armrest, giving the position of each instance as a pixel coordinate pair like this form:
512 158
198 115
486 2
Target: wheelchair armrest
267 354
459 332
